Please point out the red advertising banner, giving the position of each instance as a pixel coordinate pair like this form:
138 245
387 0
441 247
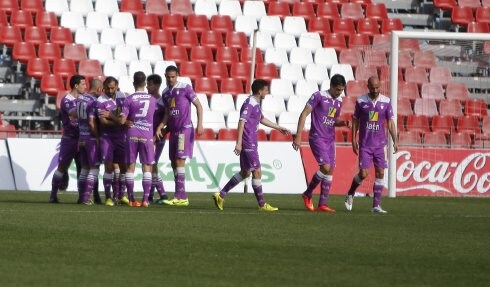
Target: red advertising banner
420 171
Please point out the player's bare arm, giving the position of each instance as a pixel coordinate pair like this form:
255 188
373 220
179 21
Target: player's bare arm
238 145
272 125
162 127
197 104
301 123
342 123
355 128
392 130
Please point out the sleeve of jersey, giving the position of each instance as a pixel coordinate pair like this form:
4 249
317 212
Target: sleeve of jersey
312 101
191 95
357 110
244 113
125 107
389 112
92 110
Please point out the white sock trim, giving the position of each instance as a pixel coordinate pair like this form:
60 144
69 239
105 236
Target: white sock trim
256 182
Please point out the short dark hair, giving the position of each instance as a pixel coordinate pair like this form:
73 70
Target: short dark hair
139 79
337 80
109 80
171 68
76 80
258 85
154 78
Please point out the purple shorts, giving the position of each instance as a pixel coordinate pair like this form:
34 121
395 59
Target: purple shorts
181 144
89 152
144 147
68 150
159 145
112 149
368 156
323 151
249 159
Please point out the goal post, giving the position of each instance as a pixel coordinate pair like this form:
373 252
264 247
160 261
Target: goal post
394 50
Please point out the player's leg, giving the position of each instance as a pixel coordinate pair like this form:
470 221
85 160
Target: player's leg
257 188
379 165
107 157
365 162
68 149
156 180
326 170
219 197
147 159
130 159
319 151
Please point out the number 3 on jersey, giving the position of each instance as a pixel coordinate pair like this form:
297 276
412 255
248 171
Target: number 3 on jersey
143 110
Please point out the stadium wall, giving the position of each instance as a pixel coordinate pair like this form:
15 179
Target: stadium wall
6 175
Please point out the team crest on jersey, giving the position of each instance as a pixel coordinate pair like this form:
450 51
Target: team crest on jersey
373 116
382 106
331 112
172 103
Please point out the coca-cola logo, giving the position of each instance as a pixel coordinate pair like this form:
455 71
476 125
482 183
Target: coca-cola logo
463 176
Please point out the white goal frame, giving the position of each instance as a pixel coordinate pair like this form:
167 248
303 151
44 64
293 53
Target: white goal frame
395 40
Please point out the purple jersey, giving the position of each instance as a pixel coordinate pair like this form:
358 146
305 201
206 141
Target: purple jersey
325 111
70 127
139 109
178 101
86 110
159 113
372 116
251 114
106 103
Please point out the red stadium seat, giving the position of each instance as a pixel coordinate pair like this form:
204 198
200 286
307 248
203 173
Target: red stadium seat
90 68
266 72
192 70
206 86
157 7
483 15
339 136
478 27
35 35
227 55
64 67
212 39
237 40
8 131
409 138
261 135
162 38
176 53
411 45
440 75
51 84
61 36
187 39
38 67
216 70
241 71
486 125
460 140
445 4
197 23
432 91
181 7
10 35
173 23
9 5
462 15
416 75
227 134
207 135
33 6
23 51
221 23
348 105
49 51
75 52
131 6
368 27
426 107
328 10
408 90
443 124
457 91
424 59
343 26
276 135
321 25
382 42
359 41
149 22
202 54
303 9
352 57
356 88
246 56
231 86
391 24
377 11
486 47
46 20
404 59
363 3
364 72
375 58
473 4
351 11
475 107
435 139
21 19
451 108
418 124
468 124
278 8
3 20
385 72
334 40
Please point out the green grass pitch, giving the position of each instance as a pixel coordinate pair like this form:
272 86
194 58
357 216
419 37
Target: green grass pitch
420 242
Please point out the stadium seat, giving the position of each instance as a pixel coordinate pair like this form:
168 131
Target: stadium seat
457 91
404 107
328 10
56 6
462 16
483 15
376 11
279 8
126 84
335 40
156 7
276 56
107 7
46 20
21 19
222 103
382 42
112 36
64 67
263 40
356 88
82 6
161 65
148 22
305 88
344 70
408 90
173 23
450 108
391 24
443 124
133 7
276 135
38 67
9 35
320 25
352 57
137 38
475 107
254 9
266 72
326 56
293 72
368 27
296 104
460 140
61 36
100 52
375 58
152 53
416 75
404 60
90 68
206 8
201 55
212 39
86 36
351 11
282 88
206 86
49 51
72 20
300 56
418 123
359 41
241 71
447 5
97 21
214 120
227 55
197 23
440 75
344 27
207 135
115 68
122 21
473 4
162 38
176 53
289 120
125 53
7 131
424 59
435 139
230 8
192 70
409 138
204 101
270 25
486 125
310 41
35 35
228 134
303 9
23 51
237 40
187 39
233 118
364 72
246 56
426 107
33 6
222 24
246 24
316 72
285 41
294 25
216 70
273 104
432 91
51 84
478 27
411 45
232 86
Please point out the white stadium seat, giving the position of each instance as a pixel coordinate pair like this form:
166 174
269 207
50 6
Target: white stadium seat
289 120
273 104
231 8
125 53
294 25
326 56
276 56
316 72
305 88
310 41
344 70
213 120
86 36
100 52
82 6
297 104
98 21
271 117
137 38
270 24
255 9
291 72
285 41
232 119
112 37
222 103
161 65
140 65
56 6
72 20
263 40
282 88
301 56
246 24
123 21
107 7
206 7
240 98
115 68
152 53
